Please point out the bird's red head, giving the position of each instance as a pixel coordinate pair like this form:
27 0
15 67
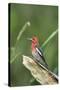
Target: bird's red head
34 43
35 40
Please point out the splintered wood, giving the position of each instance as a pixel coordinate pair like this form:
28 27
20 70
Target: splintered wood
39 72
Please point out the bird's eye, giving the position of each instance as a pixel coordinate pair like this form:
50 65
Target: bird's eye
33 39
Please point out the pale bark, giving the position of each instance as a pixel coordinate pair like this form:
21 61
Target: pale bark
39 72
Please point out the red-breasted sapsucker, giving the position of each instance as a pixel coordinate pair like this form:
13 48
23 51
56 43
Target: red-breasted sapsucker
36 51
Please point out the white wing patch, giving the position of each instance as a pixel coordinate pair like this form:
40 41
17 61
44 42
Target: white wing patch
39 51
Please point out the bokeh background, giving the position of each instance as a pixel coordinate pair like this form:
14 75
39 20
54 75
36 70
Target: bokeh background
44 21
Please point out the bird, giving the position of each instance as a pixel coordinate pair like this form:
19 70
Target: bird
37 52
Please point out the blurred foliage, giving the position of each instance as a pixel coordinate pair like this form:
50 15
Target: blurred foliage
44 21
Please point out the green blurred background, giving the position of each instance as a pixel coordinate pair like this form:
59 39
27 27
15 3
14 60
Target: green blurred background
44 21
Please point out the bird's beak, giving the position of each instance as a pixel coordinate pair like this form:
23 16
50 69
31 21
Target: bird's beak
29 39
